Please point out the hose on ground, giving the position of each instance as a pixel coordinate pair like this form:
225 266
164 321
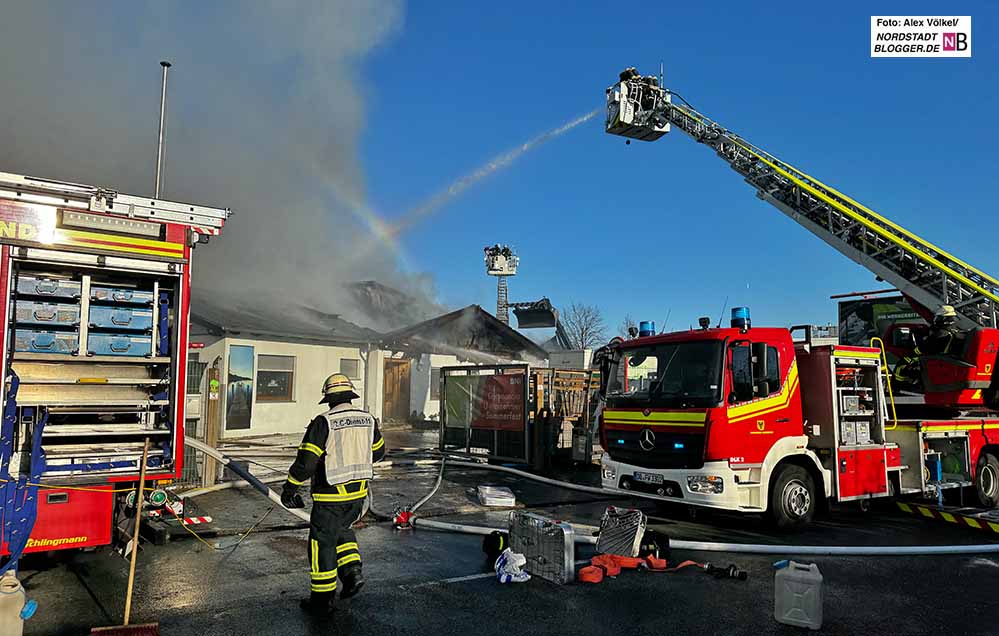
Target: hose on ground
247 476
677 544
698 546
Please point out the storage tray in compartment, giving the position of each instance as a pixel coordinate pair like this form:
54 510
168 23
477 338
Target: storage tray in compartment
33 285
36 341
124 295
126 318
105 344
32 312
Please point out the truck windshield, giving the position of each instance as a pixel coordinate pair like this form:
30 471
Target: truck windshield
674 375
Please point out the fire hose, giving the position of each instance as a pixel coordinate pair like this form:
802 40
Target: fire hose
677 544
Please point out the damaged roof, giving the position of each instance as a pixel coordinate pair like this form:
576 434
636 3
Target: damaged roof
471 334
295 324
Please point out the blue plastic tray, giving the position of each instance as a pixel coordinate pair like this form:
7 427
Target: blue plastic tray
32 312
124 295
106 344
125 318
37 341
29 284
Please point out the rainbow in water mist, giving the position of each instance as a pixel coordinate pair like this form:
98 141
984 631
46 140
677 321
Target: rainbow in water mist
386 235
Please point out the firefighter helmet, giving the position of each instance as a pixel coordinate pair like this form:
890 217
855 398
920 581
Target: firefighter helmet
946 311
337 387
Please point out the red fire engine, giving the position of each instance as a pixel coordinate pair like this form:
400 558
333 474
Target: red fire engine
96 298
756 420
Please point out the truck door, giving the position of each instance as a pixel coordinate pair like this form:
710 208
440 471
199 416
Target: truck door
758 401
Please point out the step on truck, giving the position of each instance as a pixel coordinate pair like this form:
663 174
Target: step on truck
96 298
764 420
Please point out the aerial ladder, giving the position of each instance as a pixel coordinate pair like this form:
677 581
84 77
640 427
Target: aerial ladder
639 107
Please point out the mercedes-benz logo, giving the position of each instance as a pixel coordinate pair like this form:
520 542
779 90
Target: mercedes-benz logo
647 439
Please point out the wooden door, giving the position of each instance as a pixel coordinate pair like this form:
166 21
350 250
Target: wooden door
396 390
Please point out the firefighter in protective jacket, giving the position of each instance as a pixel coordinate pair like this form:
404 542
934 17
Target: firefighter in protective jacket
336 453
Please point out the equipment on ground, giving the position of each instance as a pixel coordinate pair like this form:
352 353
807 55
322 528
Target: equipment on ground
798 594
147 629
758 420
621 531
15 608
547 545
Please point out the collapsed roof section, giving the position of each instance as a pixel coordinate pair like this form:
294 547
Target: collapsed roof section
471 334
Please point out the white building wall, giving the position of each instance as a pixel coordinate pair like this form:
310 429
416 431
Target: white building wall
570 359
313 363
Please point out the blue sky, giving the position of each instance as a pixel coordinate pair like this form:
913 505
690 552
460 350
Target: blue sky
650 228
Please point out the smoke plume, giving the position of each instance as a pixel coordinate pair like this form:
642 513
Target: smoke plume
265 109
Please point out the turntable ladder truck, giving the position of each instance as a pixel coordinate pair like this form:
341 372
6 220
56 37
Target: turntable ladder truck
96 289
759 420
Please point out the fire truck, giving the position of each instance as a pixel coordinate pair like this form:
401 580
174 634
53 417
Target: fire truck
96 298
776 421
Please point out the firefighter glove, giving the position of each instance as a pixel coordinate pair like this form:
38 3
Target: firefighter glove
290 497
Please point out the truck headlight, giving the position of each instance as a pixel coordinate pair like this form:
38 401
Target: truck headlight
608 472
705 484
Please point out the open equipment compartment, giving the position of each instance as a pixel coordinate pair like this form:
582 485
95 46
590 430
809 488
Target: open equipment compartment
95 349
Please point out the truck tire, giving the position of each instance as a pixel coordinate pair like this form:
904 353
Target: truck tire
792 498
987 480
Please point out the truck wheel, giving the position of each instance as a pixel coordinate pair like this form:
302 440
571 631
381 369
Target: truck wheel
987 480
792 498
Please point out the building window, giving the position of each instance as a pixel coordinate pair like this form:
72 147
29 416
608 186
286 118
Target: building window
351 367
195 371
275 378
435 383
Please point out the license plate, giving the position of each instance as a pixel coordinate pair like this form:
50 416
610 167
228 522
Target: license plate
649 478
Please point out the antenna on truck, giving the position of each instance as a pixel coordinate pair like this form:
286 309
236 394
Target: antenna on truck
722 314
159 145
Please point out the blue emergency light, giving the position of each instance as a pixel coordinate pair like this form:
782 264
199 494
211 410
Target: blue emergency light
740 318
678 445
646 328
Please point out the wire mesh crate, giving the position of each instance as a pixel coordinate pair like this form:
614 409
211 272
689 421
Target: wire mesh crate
621 531
548 545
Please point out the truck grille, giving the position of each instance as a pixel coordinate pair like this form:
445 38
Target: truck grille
671 450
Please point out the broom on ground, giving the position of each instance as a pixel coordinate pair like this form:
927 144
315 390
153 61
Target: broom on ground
147 629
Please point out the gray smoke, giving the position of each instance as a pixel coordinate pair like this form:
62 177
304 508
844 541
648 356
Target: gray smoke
266 107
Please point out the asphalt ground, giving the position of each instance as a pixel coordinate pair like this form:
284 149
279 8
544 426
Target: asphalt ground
425 582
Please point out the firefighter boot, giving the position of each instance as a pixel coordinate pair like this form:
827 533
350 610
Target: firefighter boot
351 580
319 604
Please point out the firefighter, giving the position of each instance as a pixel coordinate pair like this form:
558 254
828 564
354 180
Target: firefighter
336 453
944 338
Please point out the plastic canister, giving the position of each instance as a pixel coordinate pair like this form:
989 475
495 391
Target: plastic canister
798 594
14 609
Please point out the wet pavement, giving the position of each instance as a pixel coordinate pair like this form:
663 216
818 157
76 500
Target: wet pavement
423 582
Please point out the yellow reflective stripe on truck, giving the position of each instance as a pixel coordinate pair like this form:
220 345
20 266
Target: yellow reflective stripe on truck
769 404
656 418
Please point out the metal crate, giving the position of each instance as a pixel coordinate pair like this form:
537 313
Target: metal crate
621 531
548 545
